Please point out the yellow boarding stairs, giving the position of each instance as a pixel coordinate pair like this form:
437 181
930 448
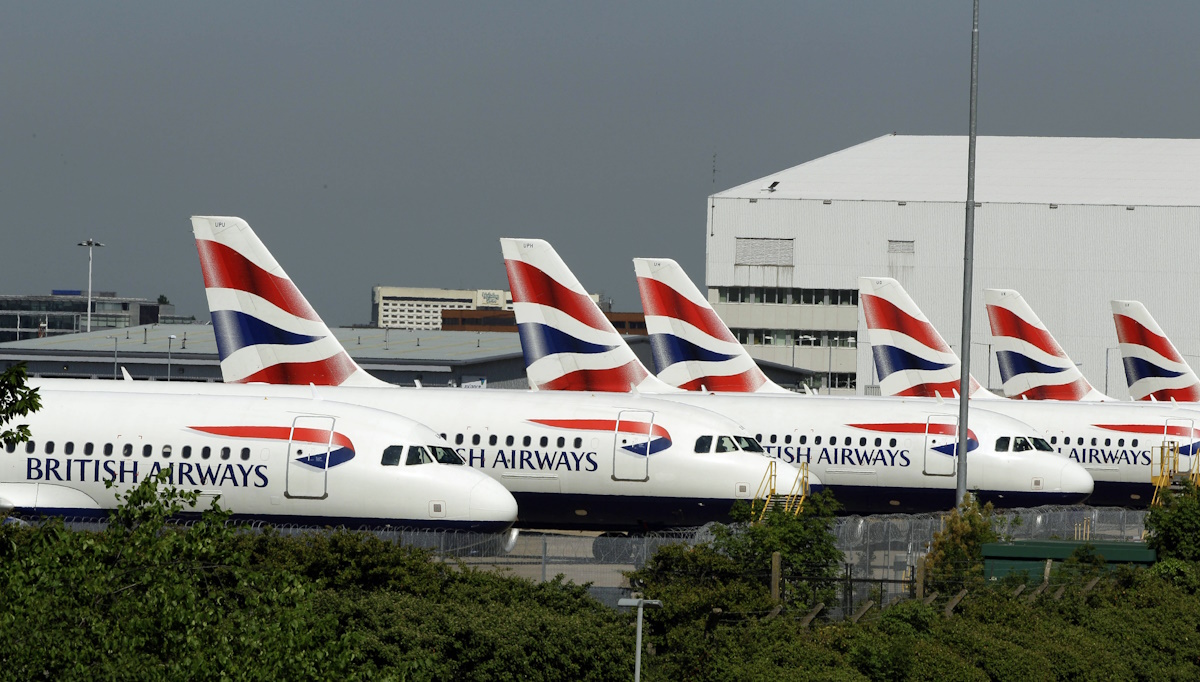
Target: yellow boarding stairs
768 497
1169 469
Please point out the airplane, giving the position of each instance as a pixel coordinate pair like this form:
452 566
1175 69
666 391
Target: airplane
274 460
1154 369
1032 364
1117 442
608 462
876 455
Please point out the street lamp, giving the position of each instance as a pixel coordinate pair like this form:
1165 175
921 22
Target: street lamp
114 338
639 603
169 340
91 243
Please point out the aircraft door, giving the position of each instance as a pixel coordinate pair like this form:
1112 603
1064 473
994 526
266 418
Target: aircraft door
1179 432
941 440
632 439
308 458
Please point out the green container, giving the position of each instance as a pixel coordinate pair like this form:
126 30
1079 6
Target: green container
1001 559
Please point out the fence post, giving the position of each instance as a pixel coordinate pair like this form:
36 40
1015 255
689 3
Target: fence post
776 570
543 558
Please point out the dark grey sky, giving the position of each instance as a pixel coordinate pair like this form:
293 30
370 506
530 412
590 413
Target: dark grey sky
394 143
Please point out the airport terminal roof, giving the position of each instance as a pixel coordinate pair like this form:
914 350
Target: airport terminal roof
1022 170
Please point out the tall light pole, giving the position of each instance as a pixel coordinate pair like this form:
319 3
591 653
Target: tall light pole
91 243
114 338
169 340
964 379
639 603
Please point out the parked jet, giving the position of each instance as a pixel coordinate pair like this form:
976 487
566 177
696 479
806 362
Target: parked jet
877 455
1154 369
1115 441
588 461
277 460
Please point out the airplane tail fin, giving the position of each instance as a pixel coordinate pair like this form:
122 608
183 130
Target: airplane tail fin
693 349
1154 369
1032 364
266 331
569 344
910 355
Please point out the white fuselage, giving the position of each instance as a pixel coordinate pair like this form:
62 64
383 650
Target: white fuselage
279 460
887 454
572 461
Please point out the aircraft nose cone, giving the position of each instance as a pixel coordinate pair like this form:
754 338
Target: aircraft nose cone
1076 482
491 501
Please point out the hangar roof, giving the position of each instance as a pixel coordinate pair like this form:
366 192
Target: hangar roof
1023 170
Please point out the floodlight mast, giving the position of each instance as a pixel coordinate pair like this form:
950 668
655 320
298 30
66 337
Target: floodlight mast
90 243
964 383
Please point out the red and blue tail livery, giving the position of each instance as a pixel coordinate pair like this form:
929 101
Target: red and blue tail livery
910 355
266 331
569 345
693 349
1032 364
1154 369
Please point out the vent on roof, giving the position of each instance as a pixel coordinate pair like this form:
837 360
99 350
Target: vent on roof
899 246
771 187
757 251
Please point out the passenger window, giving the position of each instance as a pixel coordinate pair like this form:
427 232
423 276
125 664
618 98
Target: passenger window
147 450
458 439
392 455
417 455
544 441
508 440
492 439
1133 443
1021 445
166 451
127 450
1107 442
578 443
726 444
772 439
206 452
703 444
1053 440
68 447
803 440
878 442
11 447
49 447
787 440
526 441
758 437
30 446
245 454
1002 444
108 449
817 440
1080 441
562 441
892 443
1120 442
475 439
862 442
1093 441
225 452
186 453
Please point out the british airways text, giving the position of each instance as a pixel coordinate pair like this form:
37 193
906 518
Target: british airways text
127 471
530 460
866 457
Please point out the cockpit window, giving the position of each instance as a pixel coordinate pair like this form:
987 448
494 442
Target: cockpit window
1002 444
704 444
1021 444
748 444
445 455
1041 445
392 455
417 455
726 444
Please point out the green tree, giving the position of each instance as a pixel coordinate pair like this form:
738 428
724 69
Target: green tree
16 400
163 300
1174 527
955 558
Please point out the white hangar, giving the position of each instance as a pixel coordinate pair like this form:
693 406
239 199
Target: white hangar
1071 223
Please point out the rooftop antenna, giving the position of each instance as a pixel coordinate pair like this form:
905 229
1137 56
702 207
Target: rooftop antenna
964 379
